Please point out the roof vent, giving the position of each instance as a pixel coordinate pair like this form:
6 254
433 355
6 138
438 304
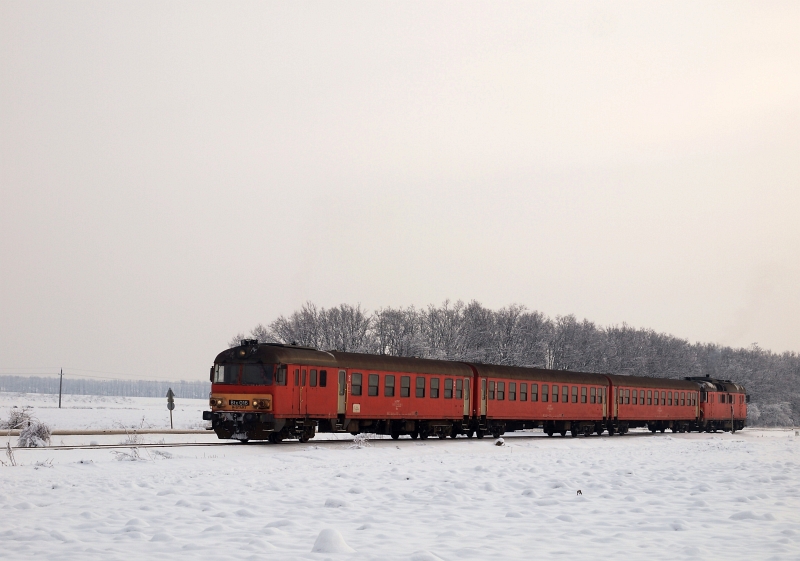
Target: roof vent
249 342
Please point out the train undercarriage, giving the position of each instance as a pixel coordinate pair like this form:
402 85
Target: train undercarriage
259 426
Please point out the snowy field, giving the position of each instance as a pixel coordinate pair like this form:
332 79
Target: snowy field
644 496
106 412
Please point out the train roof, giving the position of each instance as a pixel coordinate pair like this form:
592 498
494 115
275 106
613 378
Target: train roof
277 354
294 354
539 374
401 364
717 385
645 382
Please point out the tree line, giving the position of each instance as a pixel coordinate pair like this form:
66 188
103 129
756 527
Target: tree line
516 336
128 388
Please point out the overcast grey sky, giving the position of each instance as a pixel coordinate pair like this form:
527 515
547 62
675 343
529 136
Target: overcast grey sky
172 173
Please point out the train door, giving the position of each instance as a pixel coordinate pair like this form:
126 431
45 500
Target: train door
303 392
294 381
466 397
615 403
341 408
604 399
483 397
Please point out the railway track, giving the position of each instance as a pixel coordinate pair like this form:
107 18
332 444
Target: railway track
348 442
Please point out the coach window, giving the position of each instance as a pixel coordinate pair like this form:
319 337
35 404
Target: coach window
388 385
564 394
434 388
663 398
312 378
626 398
534 392
683 398
555 393
323 378
491 389
583 395
669 398
448 388
545 393
501 390
649 397
303 378
574 394
280 376
420 387
405 386
459 389
512 391
373 385
592 395
523 392
296 376
634 397
355 384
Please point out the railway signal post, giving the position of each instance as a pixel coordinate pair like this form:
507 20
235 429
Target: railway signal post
170 405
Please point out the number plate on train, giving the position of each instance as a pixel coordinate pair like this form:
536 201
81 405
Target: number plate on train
239 402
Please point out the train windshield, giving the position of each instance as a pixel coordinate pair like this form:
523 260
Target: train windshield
251 374
257 374
226 373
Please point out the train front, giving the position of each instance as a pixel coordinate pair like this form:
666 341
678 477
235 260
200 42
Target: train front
241 400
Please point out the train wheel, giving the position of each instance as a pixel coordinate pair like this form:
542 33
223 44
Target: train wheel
442 436
303 438
573 433
454 433
587 431
470 433
414 435
549 433
610 431
479 433
395 435
563 433
243 440
496 434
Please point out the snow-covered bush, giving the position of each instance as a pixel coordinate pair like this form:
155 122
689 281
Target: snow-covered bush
776 415
17 419
361 440
753 414
35 435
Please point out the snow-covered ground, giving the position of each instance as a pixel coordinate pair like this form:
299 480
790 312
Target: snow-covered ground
106 412
644 496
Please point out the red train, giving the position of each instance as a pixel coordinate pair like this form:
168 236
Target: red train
272 391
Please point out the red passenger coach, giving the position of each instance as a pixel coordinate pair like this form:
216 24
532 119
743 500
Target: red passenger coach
657 403
272 391
513 398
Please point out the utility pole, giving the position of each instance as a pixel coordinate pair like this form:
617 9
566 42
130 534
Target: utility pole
60 383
